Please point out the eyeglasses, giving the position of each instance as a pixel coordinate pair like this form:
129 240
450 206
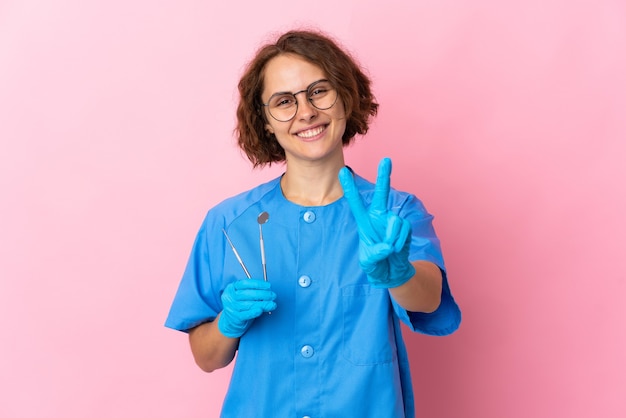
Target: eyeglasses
283 106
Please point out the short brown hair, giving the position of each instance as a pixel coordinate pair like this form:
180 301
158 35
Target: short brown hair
352 85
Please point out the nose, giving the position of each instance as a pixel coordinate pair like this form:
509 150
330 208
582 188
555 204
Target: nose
305 111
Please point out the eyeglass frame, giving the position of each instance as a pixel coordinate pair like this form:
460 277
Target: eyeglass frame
309 99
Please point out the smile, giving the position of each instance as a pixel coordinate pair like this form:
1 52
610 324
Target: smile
310 133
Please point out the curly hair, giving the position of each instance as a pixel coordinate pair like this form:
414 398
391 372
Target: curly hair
353 87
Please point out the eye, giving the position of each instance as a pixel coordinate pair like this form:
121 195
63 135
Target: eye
319 90
282 101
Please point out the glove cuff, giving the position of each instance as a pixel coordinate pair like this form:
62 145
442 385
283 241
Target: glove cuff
228 330
397 277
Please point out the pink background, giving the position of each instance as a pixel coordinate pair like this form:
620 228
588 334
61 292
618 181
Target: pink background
509 121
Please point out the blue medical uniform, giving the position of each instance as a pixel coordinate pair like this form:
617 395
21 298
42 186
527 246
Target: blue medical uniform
333 346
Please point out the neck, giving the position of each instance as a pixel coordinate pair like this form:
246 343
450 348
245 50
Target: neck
314 184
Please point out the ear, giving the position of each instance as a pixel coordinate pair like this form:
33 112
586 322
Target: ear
269 128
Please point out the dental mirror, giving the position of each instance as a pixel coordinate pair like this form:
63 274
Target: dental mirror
261 219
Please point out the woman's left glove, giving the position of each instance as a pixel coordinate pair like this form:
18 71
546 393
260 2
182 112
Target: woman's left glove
244 300
384 238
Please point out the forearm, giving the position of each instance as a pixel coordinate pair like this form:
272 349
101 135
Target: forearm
211 349
422 293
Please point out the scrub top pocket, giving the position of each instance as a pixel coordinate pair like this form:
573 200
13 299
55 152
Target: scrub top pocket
366 339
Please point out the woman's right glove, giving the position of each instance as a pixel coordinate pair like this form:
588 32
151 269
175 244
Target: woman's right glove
244 300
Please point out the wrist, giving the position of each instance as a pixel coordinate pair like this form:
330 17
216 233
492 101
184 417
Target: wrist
228 328
399 274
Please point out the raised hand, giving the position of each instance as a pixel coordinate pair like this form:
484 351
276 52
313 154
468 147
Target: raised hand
384 238
244 300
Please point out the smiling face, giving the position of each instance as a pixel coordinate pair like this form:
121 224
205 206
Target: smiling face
313 135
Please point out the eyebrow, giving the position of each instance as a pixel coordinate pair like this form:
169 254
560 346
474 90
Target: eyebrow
299 91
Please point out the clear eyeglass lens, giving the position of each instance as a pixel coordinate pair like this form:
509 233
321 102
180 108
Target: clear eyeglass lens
321 95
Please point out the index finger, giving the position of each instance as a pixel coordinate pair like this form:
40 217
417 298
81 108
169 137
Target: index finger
381 190
351 193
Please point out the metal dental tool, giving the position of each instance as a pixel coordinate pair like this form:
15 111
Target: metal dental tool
261 219
243 266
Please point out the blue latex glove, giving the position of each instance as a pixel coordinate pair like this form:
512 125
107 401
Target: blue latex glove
244 300
384 238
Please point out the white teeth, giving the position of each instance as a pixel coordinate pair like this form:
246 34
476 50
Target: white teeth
311 132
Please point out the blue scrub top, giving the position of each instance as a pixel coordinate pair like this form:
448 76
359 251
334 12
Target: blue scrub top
333 346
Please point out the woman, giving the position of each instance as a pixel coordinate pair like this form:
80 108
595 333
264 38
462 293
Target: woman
316 327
